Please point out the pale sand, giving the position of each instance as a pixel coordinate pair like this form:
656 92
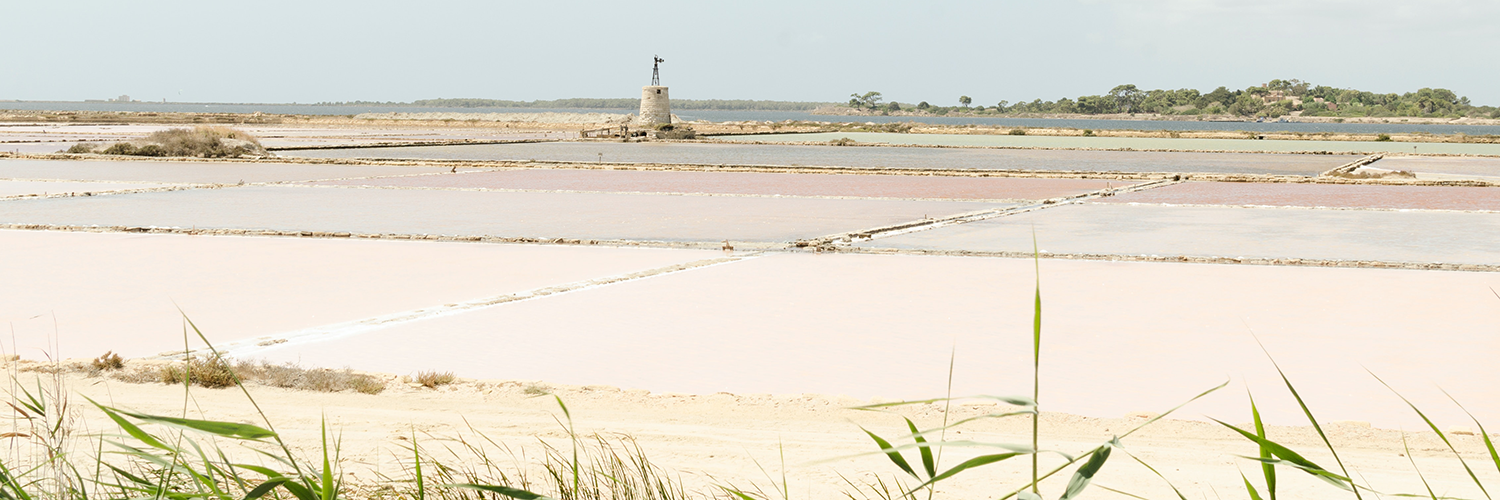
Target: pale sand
116 291
1118 337
720 438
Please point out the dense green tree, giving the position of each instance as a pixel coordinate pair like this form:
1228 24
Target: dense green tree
869 100
1127 98
1094 105
965 100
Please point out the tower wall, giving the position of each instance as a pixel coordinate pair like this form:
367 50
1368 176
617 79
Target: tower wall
655 109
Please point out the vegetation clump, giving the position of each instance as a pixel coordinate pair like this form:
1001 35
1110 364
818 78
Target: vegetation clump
199 142
212 372
1274 99
672 131
109 361
433 379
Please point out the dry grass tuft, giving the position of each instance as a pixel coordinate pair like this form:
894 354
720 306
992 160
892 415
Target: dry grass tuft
213 373
433 379
292 376
109 361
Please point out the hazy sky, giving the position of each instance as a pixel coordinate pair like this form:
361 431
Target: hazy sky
311 50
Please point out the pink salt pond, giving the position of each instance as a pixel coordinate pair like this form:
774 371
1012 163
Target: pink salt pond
747 183
1318 195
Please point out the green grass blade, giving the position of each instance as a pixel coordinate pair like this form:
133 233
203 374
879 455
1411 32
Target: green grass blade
518 494
1414 467
417 460
1486 435
1250 488
1440 434
1023 494
1326 475
329 492
298 490
1036 365
8 482
130 428
1174 409
1085 474
926 451
1313 420
1118 492
1116 443
1267 470
890 451
738 494
1012 400
969 464
264 488
264 471
225 429
1287 455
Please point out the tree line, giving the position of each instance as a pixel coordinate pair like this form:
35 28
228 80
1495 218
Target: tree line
1272 100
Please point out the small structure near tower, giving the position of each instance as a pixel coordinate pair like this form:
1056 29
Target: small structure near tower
655 108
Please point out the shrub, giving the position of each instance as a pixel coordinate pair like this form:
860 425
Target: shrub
109 361
1383 138
213 373
1017 131
120 148
82 147
1088 133
292 376
202 142
431 380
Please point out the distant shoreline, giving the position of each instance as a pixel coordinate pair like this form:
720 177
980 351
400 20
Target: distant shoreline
1410 120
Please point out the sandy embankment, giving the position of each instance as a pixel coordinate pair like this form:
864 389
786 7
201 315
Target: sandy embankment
726 438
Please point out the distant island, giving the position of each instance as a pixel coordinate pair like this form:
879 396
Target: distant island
1274 99
596 103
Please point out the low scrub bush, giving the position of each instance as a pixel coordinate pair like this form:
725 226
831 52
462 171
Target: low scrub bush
432 379
82 147
212 372
672 131
109 361
1017 131
200 142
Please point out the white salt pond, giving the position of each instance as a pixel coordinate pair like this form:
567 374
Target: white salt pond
860 157
491 213
76 295
1149 143
1118 337
22 188
1126 229
192 172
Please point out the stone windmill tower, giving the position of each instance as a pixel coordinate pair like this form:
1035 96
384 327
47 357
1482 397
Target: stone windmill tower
655 109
